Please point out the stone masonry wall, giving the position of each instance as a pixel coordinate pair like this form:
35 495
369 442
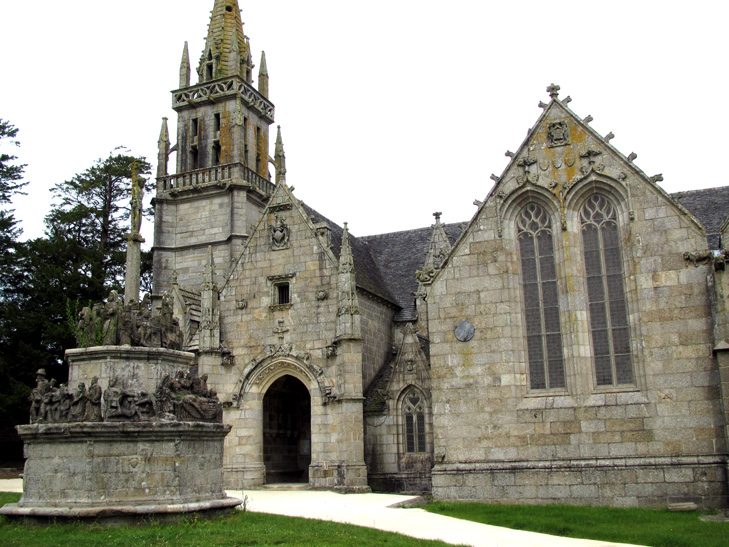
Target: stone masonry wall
484 410
376 336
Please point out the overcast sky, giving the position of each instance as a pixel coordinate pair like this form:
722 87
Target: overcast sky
390 110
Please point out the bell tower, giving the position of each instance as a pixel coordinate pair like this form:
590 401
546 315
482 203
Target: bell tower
221 182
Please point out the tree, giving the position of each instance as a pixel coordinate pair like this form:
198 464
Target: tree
13 390
80 259
11 184
93 212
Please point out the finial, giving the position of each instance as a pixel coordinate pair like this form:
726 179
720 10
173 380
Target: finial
553 91
437 217
263 76
279 159
185 68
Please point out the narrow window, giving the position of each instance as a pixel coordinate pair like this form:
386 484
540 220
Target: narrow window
216 122
541 299
209 67
283 294
216 154
414 422
606 293
194 159
245 129
194 127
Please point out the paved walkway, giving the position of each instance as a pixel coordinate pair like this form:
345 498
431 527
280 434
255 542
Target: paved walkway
376 511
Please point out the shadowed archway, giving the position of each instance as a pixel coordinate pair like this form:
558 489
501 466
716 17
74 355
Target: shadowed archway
287 431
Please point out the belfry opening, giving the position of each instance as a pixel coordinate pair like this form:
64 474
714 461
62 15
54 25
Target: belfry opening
287 431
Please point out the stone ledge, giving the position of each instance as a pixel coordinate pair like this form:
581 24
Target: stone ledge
117 512
112 431
586 463
130 353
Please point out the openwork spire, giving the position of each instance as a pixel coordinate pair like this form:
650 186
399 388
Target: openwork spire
348 316
227 50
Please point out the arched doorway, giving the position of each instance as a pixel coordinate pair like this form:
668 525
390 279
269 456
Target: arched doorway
287 431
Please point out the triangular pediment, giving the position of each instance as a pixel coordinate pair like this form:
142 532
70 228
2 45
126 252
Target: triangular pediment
560 153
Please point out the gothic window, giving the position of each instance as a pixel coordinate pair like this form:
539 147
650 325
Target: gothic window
606 293
413 411
541 299
216 153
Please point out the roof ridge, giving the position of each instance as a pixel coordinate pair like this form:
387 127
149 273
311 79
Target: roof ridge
411 231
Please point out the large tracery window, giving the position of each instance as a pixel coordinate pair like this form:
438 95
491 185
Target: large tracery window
541 299
606 293
413 411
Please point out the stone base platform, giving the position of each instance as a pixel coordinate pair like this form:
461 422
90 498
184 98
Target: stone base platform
121 515
122 470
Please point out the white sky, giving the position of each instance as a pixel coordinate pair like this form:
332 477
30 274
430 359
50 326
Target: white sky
390 110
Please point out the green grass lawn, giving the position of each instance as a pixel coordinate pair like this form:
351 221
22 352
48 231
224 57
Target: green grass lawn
655 528
239 529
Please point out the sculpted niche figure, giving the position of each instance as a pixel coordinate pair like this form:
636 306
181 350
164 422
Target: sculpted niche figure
77 411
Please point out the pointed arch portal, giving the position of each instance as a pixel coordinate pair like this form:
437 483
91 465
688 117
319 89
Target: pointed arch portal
287 431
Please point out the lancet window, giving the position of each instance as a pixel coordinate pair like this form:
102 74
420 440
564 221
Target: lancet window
541 298
413 410
606 293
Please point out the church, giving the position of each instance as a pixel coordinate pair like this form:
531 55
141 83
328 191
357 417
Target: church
567 344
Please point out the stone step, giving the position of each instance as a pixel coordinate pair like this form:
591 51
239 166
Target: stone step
286 486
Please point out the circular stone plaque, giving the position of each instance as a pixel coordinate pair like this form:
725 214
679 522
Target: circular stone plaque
465 331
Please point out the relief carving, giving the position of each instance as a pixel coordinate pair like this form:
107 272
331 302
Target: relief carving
558 133
280 233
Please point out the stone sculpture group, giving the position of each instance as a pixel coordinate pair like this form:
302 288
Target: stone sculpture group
182 397
133 324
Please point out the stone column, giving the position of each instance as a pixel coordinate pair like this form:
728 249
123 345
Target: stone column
133 269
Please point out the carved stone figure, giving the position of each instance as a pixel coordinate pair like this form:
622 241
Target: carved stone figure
112 314
137 198
36 396
125 404
93 402
77 411
187 398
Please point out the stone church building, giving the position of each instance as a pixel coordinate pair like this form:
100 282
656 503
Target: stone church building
569 343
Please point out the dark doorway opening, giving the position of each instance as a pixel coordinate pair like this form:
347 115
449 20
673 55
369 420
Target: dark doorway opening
287 431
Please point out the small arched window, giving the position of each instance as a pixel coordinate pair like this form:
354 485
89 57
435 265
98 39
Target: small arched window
413 411
606 293
541 298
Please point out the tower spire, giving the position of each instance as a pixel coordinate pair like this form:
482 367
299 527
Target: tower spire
227 51
263 76
185 68
348 316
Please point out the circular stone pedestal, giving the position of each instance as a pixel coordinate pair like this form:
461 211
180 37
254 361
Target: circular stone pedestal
122 471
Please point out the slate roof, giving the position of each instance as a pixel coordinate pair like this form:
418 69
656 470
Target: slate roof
369 276
399 255
710 206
